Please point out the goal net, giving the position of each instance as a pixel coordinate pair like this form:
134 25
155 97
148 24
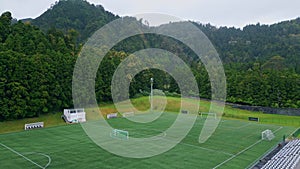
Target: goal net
208 115
120 134
267 135
127 114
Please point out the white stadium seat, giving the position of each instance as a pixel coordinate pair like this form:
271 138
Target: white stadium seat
287 158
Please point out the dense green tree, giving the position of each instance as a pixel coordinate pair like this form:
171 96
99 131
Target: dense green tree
36 67
5 22
75 15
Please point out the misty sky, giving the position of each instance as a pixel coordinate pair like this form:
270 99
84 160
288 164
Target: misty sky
236 13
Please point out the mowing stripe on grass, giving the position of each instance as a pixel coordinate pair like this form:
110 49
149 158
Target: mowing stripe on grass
294 131
243 126
207 149
41 154
181 143
242 151
191 145
260 157
14 151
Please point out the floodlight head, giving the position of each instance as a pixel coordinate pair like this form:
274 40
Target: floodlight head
151 79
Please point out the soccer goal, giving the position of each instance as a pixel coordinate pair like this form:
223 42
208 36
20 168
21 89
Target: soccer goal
267 135
120 134
112 115
128 114
208 115
184 112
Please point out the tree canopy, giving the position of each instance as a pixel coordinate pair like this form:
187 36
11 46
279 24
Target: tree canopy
37 57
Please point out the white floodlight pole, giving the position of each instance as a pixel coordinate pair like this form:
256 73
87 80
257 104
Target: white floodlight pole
151 95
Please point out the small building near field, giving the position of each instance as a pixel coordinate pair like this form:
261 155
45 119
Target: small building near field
74 115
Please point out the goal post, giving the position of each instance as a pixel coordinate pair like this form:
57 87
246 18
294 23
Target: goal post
120 134
267 135
208 115
127 114
112 115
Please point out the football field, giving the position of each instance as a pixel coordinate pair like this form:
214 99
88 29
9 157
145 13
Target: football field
235 144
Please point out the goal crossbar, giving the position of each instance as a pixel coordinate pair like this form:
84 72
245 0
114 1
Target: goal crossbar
207 114
120 134
267 135
127 114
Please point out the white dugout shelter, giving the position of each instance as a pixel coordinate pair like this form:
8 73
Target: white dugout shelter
74 115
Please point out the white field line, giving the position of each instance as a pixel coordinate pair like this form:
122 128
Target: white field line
237 154
14 151
246 125
199 147
254 162
186 144
294 132
240 127
195 146
271 149
260 157
42 154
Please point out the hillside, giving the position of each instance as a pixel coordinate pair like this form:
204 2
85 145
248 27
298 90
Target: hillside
253 43
258 42
37 59
79 15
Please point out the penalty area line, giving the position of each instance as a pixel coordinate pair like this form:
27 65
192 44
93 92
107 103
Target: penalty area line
191 145
207 149
14 151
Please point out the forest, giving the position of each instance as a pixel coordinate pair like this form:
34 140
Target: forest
37 58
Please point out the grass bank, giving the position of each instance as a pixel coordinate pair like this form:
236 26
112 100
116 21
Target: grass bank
173 105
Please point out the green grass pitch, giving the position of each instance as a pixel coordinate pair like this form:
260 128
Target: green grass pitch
235 144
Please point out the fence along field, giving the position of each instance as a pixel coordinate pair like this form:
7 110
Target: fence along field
235 144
